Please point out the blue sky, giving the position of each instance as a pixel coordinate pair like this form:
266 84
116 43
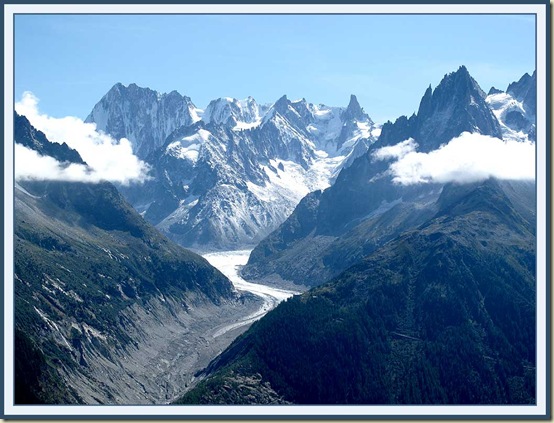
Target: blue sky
70 61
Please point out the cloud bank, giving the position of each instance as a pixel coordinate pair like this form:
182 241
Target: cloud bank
467 158
29 165
107 159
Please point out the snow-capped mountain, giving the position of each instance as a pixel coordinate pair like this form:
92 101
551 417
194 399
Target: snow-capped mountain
143 116
525 90
229 175
456 105
515 109
333 229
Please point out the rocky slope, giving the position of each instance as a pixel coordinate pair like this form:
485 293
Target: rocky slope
107 310
141 115
516 108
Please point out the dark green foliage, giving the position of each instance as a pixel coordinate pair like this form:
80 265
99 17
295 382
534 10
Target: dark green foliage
444 314
234 388
317 343
37 381
75 272
349 222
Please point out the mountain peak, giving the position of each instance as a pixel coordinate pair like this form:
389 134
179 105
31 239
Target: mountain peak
282 99
136 90
456 105
26 135
354 106
147 126
463 81
494 90
300 101
425 101
463 70
282 104
520 88
462 73
230 111
132 89
354 111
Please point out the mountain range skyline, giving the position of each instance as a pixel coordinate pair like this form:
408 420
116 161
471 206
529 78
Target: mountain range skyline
226 177
216 112
341 101
323 58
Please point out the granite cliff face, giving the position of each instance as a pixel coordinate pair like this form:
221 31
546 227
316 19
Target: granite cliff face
141 115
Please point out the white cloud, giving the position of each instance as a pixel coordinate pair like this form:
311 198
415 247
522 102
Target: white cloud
396 151
467 158
29 165
108 159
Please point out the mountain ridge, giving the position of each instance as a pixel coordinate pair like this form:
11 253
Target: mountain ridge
101 296
364 208
229 178
421 320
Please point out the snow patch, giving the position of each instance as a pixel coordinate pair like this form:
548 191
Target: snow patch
188 148
503 104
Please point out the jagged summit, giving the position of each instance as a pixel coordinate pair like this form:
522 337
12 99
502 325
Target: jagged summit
494 90
524 80
281 105
459 83
282 100
143 116
228 175
328 231
426 100
135 89
240 114
525 91
516 108
456 105
462 70
354 111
